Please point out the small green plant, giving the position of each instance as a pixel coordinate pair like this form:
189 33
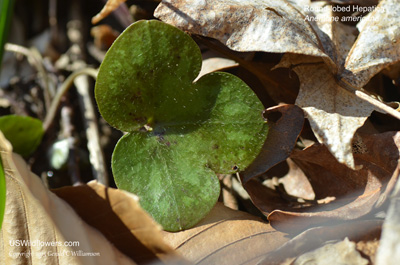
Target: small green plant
24 133
180 133
6 11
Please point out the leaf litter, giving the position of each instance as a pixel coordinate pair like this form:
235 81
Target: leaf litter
335 189
280 26
331 95
34 214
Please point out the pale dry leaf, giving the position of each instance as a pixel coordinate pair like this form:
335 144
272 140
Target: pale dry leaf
368 247
109 7
343 252
226 236
377 46
334 113
313 238
36 215
338 38
296 182
358 2
269 25
213 64
324 27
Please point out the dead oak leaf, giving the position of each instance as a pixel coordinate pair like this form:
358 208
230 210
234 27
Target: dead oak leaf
119 217
270 25
334 113
357 192
226 236
286 122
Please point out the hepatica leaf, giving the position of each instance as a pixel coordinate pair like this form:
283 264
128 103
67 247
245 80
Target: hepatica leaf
180 133
2 192
24 133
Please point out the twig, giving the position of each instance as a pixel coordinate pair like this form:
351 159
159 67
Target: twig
364 96
52 111
92 133
96 155
68 131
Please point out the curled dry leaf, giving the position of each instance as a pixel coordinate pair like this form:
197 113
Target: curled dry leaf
357 192
313 238
109 7
286 122
290 193
119 217
388 253
377 46
42 219
269 26
226 236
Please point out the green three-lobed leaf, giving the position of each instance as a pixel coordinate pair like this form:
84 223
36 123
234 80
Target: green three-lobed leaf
180 133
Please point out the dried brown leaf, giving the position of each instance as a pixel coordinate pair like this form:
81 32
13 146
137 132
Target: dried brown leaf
357 193
286 193
119 217
38 216
285 124
104 36
226 236
109 7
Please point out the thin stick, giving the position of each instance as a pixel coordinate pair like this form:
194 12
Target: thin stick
96 156
364 96
52 111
